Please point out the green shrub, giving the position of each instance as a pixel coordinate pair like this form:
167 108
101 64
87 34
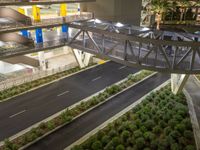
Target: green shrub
137 133
149 136
97 145
154 144
125 135
180 127
175 146
105 140
109 146
116 141
9 145
175 134
50 125
149 124
120 147
140 142
188 134
157 130
167 131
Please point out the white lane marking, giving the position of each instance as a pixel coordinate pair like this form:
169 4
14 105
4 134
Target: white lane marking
96 78
23 111
120 68
63 93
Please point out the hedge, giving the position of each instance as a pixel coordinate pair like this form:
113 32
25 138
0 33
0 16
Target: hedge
160 122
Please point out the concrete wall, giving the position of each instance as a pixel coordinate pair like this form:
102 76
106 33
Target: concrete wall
127 11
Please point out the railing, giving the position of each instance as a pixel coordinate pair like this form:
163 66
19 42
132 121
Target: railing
30 76
30 2
46 22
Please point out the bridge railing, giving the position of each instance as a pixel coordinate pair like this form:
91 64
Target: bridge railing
150 53
46 22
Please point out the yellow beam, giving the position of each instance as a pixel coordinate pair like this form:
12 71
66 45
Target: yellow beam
21 10
36 13
63 10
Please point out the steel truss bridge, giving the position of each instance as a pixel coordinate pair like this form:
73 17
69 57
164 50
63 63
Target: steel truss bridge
145 48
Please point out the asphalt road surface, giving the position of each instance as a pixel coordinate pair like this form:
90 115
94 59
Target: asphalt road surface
82 125
25 110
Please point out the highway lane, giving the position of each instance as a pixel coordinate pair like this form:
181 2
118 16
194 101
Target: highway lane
28 109
81 126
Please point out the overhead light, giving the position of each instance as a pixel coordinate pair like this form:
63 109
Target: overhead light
119 25
97 21
145 29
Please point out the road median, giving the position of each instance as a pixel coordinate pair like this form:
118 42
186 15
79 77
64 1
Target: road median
70 114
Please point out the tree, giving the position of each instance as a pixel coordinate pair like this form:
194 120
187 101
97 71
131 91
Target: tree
158 7
183 7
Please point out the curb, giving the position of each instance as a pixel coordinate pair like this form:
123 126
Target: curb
31 143
115 117
196 80
193 117
32 89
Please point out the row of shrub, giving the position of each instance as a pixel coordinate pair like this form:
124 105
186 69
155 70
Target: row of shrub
160 122
33 84
68 115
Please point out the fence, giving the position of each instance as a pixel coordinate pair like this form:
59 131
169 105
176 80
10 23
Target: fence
28 77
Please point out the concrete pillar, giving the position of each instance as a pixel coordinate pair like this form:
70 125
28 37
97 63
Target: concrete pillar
178 82
63 13
82 58
23 32
37 18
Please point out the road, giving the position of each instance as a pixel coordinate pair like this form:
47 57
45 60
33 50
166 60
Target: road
25 110
82 125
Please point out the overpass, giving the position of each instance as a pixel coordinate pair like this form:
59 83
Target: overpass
12 21
39 2
145 48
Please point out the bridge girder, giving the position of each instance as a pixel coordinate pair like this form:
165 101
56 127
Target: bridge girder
145 48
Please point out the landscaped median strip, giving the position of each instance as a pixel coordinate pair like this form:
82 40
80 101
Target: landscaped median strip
30 86
112 119
160 121
69 115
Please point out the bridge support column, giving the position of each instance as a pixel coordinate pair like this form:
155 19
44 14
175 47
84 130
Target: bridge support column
63 13
23 32
178 82
82 58
39 36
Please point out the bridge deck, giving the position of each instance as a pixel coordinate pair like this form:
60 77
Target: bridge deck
133 46
39 2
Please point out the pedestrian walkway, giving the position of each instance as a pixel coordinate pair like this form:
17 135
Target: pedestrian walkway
192 89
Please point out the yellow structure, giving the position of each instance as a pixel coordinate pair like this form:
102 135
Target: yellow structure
36 13
63 10
21 10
